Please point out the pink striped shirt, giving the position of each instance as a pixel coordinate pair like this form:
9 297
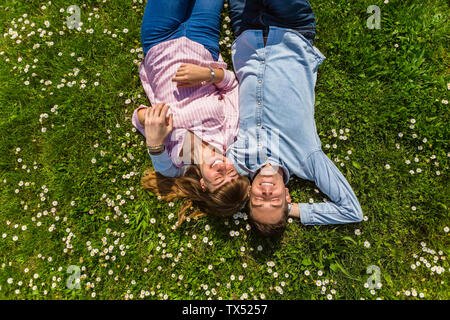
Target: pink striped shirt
210 111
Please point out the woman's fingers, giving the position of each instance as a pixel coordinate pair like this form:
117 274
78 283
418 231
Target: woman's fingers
170 122
160 108
181 71
179 78
163 114
149 114
155 111
164 119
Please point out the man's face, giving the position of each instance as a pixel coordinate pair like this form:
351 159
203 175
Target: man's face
268 196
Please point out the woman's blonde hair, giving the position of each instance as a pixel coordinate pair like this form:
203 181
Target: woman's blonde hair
223 202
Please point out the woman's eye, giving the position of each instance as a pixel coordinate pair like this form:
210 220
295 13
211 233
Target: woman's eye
232 173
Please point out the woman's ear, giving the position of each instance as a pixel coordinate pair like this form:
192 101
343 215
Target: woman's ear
288 196
202 184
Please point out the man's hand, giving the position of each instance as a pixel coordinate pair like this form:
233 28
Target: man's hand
295 211
189 75
157 125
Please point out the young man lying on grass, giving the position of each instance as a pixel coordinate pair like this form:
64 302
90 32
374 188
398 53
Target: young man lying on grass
276 65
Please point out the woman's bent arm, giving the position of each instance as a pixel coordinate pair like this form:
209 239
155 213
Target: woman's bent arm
162 163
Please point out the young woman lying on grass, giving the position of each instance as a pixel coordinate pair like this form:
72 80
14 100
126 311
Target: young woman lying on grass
195 108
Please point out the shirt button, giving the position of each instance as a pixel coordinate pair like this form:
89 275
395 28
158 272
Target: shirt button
259 103
259 124
259 81
262 61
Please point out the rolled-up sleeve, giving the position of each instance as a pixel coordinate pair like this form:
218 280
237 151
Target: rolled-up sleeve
135 120
344 206
229 81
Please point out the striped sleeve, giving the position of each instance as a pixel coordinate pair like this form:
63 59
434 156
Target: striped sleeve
135 120
229 81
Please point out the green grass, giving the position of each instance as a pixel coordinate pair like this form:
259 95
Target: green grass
373 83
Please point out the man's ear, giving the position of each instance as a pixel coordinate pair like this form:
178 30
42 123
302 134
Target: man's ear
202 184
288 196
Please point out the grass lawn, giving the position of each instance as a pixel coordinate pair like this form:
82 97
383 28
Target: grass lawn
71 205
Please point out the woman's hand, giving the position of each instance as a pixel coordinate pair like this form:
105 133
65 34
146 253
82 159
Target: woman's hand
157 125
189 75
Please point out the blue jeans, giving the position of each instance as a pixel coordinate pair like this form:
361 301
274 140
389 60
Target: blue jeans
198 20
261 14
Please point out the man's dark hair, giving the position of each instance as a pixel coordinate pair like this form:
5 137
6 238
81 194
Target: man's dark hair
270 229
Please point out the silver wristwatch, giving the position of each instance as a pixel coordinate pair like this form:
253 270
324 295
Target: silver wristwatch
213 74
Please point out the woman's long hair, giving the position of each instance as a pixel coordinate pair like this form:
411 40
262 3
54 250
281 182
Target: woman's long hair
223 202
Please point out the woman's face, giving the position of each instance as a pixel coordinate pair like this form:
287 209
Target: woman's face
216 171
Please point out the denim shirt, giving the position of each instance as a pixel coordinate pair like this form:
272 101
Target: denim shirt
277 126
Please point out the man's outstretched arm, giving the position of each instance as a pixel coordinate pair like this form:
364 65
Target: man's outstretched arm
344 206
